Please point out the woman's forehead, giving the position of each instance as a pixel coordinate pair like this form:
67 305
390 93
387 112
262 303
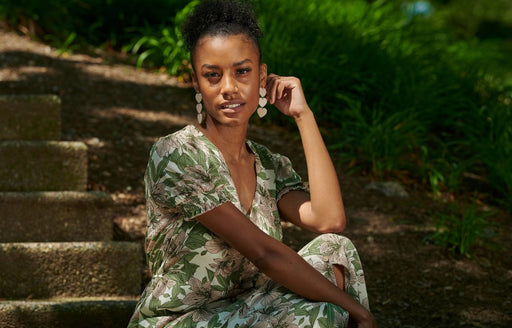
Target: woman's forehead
225 48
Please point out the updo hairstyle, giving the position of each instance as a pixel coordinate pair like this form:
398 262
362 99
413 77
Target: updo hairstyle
220 18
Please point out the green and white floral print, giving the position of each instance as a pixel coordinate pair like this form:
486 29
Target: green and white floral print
198 280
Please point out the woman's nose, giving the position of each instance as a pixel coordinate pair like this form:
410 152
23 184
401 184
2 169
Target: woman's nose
229 86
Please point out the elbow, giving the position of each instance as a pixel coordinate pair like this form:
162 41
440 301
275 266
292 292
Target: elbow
333 228
335 223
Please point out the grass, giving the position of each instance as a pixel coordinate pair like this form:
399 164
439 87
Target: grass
165 46
393 93
462 229
105 23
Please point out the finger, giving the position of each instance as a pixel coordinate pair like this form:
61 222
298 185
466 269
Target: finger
272 89
268 86
271 76
282 85
270 81
286 86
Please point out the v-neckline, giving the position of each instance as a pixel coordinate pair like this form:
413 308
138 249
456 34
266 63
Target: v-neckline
257 166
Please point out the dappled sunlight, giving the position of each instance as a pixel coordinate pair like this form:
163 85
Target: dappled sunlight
23 72
118 73
131 216
95 65
144 115
377 222
484 315
465 267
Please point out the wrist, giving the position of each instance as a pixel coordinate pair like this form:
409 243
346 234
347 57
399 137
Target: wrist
307 113
362 316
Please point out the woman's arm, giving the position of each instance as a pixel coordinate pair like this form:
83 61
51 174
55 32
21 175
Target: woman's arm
323 210
278 261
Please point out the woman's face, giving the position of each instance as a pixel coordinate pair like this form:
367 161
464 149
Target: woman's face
228 74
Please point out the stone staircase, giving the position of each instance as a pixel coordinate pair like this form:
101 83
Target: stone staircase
58 264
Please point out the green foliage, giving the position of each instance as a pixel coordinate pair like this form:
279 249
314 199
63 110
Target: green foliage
493 148
63 46
394 93
377 139
164 47
94 21
462 228
483 18
32 11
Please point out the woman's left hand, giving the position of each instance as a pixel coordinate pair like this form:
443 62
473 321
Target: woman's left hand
285 92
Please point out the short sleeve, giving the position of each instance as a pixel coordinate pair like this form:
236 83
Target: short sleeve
186 179
287 178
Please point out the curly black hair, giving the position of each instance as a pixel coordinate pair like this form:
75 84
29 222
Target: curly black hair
220 18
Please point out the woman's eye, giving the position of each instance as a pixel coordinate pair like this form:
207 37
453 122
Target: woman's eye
211 74
213 77
243 71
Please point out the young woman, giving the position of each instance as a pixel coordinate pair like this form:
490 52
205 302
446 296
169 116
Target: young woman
215 201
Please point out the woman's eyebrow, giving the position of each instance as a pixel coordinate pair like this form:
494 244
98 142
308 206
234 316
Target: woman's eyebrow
210 66
243 62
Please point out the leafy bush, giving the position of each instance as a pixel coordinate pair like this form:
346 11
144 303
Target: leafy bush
165 47
482 18
393 92
95 21
493 148
460 230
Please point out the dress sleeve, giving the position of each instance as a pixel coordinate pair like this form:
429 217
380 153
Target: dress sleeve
187 181
287 178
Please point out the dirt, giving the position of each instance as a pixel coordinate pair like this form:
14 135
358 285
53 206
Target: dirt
119 111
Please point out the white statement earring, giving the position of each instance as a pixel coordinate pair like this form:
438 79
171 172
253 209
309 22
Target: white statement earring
199 108
262 111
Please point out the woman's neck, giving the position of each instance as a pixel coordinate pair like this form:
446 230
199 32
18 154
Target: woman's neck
229 140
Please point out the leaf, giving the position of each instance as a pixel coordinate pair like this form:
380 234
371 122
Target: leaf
143 57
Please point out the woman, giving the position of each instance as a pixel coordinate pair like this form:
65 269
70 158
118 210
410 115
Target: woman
215 201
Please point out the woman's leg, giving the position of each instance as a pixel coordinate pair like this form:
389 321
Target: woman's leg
339 275
336 257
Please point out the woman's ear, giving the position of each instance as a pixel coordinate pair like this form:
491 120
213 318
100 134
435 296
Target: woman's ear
194 81
263 75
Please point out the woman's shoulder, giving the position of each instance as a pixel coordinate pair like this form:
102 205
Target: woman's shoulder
183 141
265 154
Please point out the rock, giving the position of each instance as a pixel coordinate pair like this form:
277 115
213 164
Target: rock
389 189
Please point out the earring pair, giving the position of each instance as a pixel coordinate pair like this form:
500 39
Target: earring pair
262 111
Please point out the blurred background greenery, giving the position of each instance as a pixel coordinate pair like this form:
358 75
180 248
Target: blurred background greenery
411 90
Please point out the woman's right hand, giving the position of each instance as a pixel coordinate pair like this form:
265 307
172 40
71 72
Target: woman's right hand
368 321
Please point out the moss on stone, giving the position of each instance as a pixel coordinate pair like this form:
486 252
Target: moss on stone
43 166
30 117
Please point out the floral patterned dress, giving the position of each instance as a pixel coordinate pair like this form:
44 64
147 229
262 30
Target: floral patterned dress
198 280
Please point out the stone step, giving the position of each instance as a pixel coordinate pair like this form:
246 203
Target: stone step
42 270
65 313
30 117
43 166
55 216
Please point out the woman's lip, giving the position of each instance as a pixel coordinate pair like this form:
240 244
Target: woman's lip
232 108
